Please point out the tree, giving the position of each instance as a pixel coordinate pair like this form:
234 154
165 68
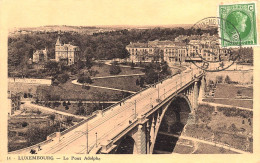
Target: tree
233 127
227 80
24 124
69 120
219 79
132 65
52 118
80 103
239 92
137 82
52 67
88 62
61 78
151 76
64 103
80 64
114 69
141 83
81 111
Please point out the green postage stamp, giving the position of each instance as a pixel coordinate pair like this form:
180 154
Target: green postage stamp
238 19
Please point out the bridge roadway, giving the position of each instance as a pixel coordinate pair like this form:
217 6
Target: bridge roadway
115 120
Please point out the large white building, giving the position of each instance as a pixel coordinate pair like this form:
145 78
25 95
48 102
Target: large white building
206 47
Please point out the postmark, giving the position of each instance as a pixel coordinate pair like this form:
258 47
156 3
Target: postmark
206 52
243 17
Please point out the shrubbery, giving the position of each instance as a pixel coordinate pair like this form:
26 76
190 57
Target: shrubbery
85 79
233 112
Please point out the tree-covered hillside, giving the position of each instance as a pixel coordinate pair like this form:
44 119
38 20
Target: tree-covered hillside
104 45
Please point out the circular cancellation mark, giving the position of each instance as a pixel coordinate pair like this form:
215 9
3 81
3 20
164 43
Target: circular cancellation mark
206 52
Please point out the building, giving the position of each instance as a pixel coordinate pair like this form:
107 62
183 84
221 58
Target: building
40 56
14 102
204 47
66 53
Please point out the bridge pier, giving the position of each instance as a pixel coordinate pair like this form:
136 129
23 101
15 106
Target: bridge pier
202 89
147 138
195 94
141 140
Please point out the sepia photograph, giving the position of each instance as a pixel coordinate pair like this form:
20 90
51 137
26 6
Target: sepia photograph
86 78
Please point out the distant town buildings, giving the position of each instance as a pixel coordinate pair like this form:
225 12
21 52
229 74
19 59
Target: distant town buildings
66 52
182 49
40 56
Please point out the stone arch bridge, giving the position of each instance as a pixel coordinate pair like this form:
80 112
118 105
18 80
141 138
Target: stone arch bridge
137 124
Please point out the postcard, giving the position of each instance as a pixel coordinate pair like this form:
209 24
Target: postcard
125 81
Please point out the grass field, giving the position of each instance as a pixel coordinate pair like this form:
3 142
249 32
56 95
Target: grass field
72 92
210 149
229 92
104 70
232 129
125 83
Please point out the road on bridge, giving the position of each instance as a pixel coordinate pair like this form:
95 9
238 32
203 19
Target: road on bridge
116 119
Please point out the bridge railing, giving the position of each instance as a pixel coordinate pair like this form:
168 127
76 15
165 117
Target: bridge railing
78 124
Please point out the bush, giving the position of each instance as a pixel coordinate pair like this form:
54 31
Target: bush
24 124
227 80
233 112
85 79
64 103
56 104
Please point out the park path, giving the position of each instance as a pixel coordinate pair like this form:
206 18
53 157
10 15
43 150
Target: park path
114 89
223 105
242 99
214 144
29 104
115 76
109 62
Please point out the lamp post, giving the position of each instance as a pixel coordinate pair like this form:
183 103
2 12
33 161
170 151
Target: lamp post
158 98
87 137
134 108
96 139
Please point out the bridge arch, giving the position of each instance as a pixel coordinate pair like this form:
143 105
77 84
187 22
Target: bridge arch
126 146
173 119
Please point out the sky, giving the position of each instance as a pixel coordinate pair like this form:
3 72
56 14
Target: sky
33 13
